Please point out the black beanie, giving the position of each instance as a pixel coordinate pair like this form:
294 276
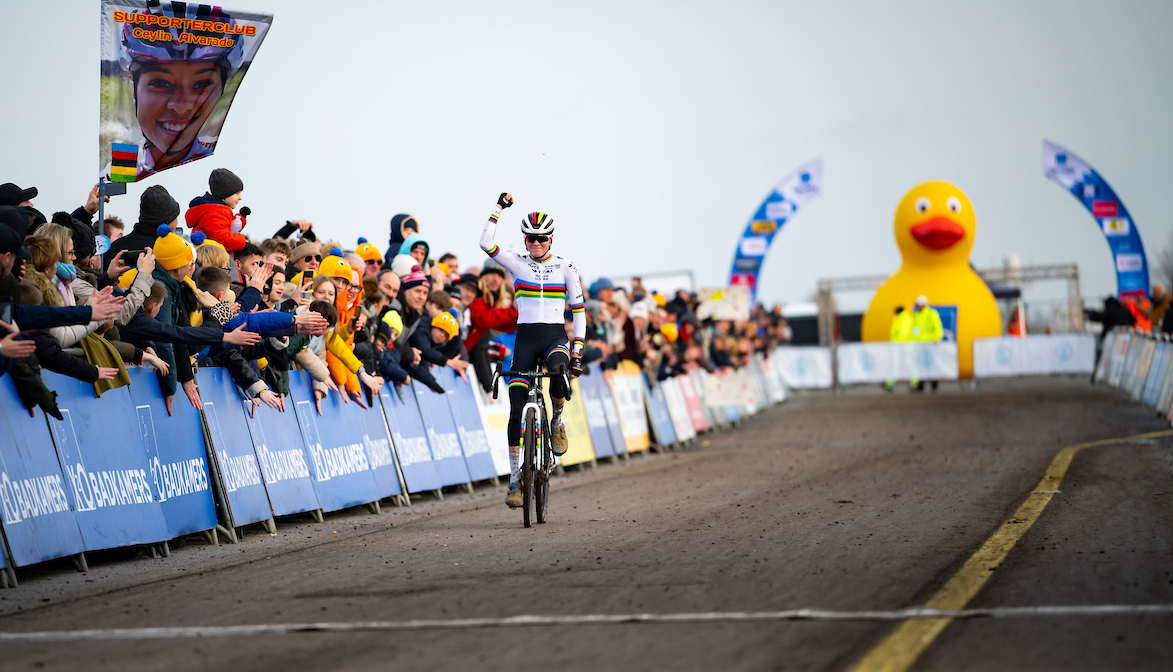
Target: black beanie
157 207
222 183
84 238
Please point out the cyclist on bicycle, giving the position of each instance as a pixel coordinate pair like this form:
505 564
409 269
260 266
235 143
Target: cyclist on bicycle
543 284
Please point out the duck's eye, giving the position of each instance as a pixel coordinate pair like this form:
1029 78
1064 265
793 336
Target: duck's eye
922 204
953 204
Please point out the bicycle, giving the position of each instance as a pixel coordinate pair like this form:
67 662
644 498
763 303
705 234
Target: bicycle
538 458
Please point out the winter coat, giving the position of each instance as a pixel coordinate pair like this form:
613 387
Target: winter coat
485 318
209 214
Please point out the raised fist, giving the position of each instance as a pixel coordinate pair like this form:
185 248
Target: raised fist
505 200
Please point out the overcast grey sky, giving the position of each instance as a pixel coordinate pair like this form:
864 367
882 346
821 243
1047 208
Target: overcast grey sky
651 131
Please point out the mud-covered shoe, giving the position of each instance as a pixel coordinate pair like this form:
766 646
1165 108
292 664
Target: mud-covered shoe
513 499
558 440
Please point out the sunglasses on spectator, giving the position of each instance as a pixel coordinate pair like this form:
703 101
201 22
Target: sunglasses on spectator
536 239
314 257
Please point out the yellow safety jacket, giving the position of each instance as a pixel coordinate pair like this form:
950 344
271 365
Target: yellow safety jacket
926 325
901 327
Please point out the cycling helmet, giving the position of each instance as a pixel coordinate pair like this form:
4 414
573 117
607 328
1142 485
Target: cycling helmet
139 49
537 223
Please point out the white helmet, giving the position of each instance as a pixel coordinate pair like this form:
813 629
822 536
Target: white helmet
537 223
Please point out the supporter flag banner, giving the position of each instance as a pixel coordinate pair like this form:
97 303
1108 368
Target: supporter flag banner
107 477
337 455
724 303
174 446
232 448
281 455
794 191
1132 267
38 521
169 74
469 429
592 406
442 438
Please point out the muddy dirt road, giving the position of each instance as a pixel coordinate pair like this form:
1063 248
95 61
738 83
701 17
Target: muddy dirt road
861 502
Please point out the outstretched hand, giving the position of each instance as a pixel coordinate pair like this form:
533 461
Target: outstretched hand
12 348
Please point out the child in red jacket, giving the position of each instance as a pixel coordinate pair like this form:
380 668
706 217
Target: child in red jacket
213 213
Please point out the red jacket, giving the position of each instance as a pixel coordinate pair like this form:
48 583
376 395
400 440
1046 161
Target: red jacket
209 214
484 318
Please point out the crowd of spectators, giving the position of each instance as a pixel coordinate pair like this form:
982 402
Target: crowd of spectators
178 292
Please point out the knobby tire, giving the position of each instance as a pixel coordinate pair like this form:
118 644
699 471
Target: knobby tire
527 467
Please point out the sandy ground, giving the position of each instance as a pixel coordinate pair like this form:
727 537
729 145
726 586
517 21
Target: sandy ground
861 501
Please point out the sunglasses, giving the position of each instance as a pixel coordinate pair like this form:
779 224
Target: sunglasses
314 257
536 239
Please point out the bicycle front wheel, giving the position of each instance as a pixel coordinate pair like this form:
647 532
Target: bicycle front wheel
529 442
542 479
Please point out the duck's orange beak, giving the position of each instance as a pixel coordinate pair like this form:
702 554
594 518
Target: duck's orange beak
938 233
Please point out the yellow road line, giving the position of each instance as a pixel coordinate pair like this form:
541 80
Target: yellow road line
899 650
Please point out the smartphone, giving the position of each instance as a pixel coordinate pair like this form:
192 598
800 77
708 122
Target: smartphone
6 312
131 257
307 276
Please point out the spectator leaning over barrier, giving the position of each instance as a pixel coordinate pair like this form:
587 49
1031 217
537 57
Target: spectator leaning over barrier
213 213
1140 306
346 369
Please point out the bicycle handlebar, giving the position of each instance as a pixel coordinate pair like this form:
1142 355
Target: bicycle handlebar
560 373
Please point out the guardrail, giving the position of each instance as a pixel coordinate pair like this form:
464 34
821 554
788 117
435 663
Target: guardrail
120 472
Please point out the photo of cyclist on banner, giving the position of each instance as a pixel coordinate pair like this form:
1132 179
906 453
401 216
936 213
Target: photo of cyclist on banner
170 71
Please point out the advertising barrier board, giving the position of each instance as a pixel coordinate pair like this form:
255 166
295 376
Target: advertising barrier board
462 405
627 388
804 367
411 439
38 521
377 438
337 455
282 456
441 433
174 446
107 476
232 448
661 421
596 417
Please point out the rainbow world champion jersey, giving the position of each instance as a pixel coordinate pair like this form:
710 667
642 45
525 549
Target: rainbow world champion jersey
542 287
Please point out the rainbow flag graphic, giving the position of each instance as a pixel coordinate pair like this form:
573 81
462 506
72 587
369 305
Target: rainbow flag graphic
124 162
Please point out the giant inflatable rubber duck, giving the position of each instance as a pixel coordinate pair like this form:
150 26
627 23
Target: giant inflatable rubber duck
935 227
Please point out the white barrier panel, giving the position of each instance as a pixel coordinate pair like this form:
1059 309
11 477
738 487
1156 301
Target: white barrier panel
1034 355
730 389
804 367
880 362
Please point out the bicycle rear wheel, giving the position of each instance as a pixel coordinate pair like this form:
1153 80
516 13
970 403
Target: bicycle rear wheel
529 442
542 479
